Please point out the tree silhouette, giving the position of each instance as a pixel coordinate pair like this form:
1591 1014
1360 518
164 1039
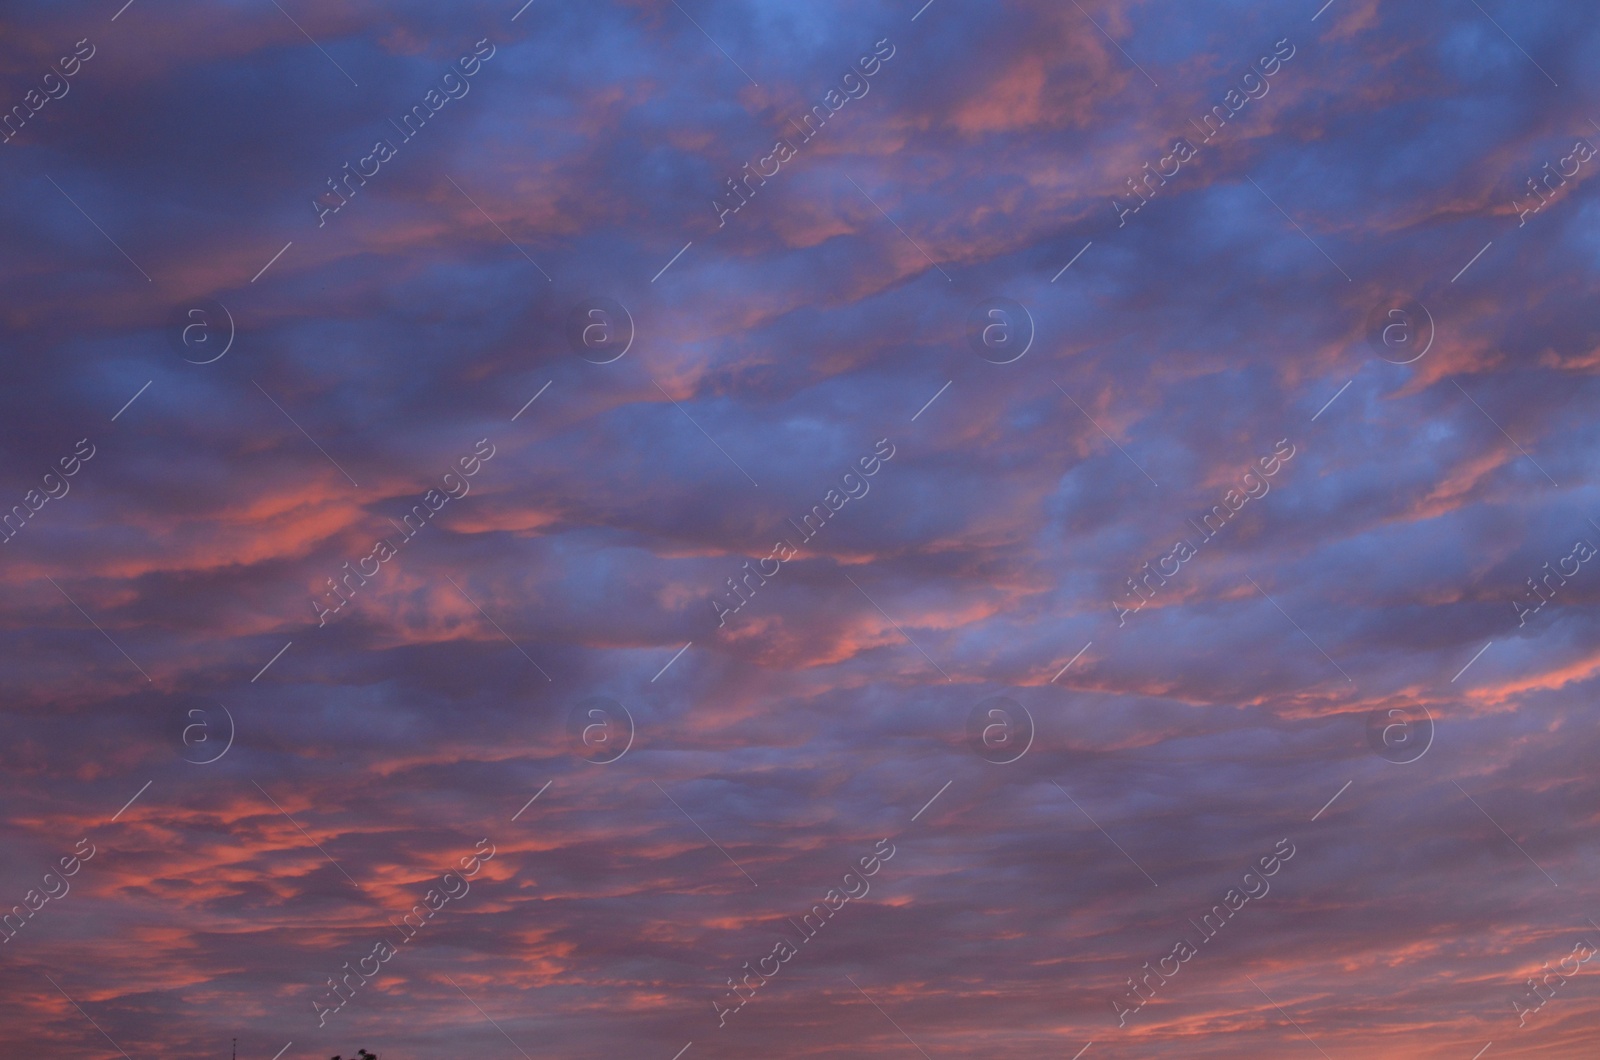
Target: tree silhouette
361 1055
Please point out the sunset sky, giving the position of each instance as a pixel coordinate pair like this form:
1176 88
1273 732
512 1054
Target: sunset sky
697 529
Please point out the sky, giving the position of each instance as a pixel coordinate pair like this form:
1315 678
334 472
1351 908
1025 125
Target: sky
715 528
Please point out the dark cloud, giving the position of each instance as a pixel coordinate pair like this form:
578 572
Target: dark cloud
176 577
